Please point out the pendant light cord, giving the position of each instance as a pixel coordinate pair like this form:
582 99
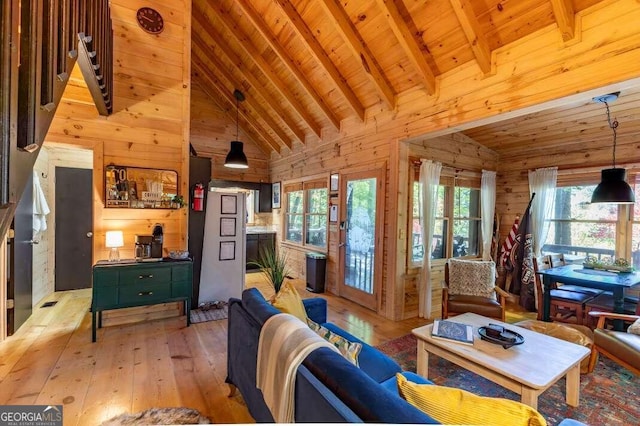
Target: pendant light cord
613 125
238 107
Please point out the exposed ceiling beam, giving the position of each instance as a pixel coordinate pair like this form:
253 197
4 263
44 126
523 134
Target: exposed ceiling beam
255 106
264 140
256 86
321 56
409 44
565 18
291 65
473 32
360 50
267 70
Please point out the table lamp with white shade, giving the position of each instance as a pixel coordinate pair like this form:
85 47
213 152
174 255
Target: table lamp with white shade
114 240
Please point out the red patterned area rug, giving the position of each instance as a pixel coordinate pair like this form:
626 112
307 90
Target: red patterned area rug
608 396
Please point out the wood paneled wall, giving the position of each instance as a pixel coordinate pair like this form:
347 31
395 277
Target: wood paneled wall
524 80
150 123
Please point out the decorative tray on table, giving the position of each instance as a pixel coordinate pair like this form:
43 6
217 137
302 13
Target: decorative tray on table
619 265
499 335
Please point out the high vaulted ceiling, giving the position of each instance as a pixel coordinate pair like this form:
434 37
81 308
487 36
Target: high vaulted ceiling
304 66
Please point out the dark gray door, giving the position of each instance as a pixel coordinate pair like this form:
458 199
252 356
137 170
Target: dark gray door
74 226
22 273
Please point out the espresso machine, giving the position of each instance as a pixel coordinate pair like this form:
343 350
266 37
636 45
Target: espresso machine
143 247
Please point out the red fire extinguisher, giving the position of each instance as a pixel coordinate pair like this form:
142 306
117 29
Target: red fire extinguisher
198 198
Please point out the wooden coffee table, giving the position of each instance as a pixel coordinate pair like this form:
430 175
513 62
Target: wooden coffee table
527 369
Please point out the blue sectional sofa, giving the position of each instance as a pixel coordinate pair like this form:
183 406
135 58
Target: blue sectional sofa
328 389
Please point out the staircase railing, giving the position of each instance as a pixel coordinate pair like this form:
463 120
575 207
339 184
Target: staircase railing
39 47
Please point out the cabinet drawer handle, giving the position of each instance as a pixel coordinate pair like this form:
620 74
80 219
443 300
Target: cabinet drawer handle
145 293
145 276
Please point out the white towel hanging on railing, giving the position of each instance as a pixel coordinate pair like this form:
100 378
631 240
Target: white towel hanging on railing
40 206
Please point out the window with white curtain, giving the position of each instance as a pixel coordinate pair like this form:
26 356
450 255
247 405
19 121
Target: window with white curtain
457 230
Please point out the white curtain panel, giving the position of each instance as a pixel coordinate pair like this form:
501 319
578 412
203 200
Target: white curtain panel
430 178
542 182
487 208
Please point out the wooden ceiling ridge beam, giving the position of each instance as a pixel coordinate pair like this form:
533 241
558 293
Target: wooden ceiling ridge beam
255 85
257 108
267 70
409 44
321 56
472 30
565 18
264 140
360 50
288 62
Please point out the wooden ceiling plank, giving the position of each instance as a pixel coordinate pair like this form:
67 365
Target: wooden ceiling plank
472 30
262 139
409 44
267 70
291 65
565 18
259 111
321 56
360 50
221 45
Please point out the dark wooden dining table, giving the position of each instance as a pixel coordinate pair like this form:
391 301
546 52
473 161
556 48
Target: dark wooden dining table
615 282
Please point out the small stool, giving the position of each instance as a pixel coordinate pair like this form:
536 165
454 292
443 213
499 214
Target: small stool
578 334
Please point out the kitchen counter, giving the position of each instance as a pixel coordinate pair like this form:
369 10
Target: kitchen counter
253 231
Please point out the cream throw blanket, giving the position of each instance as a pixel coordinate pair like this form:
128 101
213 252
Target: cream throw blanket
284 343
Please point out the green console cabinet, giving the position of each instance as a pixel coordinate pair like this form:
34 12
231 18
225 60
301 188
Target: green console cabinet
124 285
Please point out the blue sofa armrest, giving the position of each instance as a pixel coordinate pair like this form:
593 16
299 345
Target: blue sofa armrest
316 308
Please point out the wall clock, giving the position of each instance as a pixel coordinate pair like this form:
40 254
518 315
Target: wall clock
150 20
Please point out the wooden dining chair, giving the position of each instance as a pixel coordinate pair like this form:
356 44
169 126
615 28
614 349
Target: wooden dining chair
566 306
604 303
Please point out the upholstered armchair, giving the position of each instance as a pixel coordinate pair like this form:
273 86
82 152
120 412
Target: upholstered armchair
620 346
469 286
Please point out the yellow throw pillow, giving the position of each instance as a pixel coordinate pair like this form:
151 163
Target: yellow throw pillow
457 406
289 301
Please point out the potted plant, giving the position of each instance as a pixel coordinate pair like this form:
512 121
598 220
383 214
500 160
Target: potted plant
178 200
273 265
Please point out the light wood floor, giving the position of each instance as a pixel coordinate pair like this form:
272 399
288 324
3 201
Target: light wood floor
132 367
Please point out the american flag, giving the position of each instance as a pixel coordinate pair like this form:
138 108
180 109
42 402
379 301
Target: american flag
507 246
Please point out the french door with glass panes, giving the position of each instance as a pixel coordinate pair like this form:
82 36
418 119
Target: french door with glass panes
361 232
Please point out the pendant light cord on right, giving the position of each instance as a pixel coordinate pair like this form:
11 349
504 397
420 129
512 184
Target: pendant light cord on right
613 125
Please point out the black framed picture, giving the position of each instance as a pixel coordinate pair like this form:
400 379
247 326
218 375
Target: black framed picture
228 204
227 226
275 195
227 250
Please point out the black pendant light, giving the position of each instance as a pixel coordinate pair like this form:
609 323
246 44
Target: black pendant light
236 158
613 188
